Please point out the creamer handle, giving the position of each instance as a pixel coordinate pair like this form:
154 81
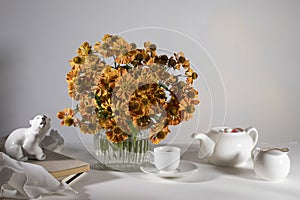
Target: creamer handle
206 145
254 152
253 133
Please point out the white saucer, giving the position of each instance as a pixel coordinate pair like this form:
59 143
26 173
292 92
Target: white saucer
185 168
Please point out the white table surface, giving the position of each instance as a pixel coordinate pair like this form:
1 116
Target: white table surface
210 182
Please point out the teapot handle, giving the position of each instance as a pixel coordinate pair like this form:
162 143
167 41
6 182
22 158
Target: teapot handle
253 134
206 145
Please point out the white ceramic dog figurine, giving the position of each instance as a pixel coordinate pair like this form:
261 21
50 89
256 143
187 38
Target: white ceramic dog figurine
25 141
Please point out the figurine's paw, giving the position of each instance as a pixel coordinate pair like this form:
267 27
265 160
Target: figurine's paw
24 158
41 157
54 132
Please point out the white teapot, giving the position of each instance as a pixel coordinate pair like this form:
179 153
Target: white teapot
271 164
225 146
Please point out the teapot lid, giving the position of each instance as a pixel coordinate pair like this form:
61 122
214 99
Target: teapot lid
227 130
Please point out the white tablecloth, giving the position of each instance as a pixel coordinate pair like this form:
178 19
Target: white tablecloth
210 182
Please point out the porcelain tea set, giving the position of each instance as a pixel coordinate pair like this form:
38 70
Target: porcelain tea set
222 146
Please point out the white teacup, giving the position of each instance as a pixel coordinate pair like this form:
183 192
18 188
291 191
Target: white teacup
165 158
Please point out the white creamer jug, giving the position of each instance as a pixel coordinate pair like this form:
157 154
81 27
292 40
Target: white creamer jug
271 164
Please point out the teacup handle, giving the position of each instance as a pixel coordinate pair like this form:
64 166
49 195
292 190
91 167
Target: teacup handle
149 157
253 134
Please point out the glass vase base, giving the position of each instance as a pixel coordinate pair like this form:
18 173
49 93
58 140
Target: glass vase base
126 156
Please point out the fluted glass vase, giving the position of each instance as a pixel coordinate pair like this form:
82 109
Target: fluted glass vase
122 156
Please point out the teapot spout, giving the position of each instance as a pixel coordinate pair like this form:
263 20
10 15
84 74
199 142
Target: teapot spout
207 145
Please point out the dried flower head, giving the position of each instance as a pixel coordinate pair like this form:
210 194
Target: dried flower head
67 116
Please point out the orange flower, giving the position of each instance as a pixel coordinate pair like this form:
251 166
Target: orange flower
124 58
149 46
91 126
72 91
104 49
84 50
186 64
120 46
125 86
191 75
97 47
72 75
142 123
77 61
87 107
135 107
156 138
110 74
106 37
173 113
187 108
116 135
67 116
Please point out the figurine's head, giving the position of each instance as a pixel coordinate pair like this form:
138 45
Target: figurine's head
40 122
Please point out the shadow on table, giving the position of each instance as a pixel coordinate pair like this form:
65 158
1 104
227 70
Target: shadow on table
241 172
208 172
245 171
89 179
203 175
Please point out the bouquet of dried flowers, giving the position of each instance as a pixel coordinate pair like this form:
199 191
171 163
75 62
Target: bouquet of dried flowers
124 89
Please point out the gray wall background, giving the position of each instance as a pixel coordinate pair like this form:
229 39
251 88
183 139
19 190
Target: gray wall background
255 44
